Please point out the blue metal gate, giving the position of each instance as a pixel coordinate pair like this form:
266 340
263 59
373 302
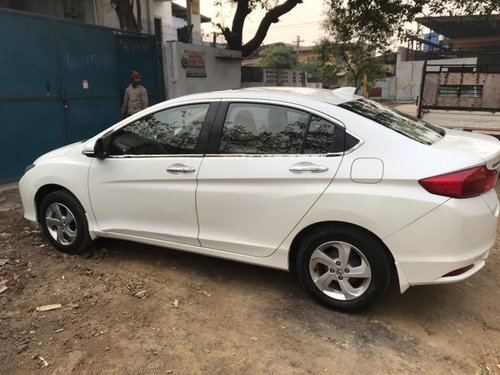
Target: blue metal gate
140 54
63 81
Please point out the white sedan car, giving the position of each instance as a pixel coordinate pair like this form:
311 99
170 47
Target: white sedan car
337 189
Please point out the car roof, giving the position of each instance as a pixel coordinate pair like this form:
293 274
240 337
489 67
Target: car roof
295 95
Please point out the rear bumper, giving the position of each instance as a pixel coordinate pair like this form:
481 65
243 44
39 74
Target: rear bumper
457 234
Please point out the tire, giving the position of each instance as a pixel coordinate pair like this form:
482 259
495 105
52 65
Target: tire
63 222
343 267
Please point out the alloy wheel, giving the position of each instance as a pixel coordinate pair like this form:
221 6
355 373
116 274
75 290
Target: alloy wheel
61 224
340 270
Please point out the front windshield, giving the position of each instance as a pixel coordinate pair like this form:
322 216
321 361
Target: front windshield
404 124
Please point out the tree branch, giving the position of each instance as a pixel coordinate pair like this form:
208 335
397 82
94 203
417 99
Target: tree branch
242 11
350 67
272 16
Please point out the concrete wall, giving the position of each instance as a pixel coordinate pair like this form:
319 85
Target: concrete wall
163 11
222 68
388 88
408 78
409 75
170 24
105 14
314 85
257 77
196 21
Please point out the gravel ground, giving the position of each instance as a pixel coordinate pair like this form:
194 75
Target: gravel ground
127 308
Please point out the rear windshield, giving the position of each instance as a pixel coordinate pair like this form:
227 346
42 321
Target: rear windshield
409 126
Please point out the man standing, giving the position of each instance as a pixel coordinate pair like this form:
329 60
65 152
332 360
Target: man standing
136 96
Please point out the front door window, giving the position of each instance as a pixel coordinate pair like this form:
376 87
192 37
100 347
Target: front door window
172 131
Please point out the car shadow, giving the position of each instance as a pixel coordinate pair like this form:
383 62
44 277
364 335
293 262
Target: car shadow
420 303
203 266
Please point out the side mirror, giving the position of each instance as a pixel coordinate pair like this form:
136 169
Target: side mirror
97 150
101 149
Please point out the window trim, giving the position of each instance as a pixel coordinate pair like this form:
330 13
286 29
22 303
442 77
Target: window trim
216 134
332 154
147 156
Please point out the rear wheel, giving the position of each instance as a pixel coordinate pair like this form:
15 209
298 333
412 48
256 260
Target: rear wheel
344 268
63 222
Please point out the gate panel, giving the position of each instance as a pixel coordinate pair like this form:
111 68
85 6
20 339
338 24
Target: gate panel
63 81
32 113
88 116
430 89
140 53
29 129
27 57
89 78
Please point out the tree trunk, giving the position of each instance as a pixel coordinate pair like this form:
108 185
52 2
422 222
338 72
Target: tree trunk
125 12
236 35
139 16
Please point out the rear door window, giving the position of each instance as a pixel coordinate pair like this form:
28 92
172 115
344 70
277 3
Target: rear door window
408 126
263 129
320 137
253 128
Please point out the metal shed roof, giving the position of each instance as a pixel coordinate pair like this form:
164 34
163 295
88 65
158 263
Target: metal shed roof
463 26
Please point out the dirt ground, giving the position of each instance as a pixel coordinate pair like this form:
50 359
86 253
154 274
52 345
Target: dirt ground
204 315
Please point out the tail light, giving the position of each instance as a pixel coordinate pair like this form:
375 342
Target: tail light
462 184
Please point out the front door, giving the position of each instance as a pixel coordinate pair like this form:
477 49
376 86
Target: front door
271 165
146 187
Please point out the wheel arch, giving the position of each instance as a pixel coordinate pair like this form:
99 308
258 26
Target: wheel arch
292 254
44 190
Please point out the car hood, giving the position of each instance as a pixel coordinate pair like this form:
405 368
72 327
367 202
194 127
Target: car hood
473 144
61 151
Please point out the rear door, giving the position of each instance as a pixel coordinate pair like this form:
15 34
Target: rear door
265 168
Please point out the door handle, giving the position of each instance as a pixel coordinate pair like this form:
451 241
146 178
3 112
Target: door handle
308 167
180 168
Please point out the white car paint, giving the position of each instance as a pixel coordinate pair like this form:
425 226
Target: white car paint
250 209
257 200
138 197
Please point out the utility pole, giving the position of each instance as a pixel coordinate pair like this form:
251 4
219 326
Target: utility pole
297 42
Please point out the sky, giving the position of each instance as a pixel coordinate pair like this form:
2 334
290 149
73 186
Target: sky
304 21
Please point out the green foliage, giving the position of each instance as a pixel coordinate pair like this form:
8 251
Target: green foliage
355 57
376 22
279 57
357 28
314 70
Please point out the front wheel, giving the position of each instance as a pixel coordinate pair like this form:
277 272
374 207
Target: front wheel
344 268
63 222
